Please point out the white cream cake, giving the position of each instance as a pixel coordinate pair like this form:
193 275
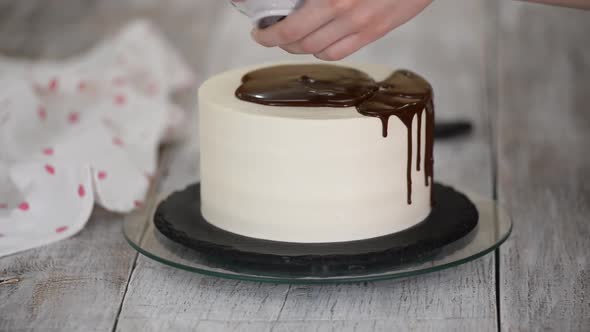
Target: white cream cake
308 174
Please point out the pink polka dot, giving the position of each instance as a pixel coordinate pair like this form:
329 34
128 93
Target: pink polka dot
81 191
24 206
3 205
42 112
120 100
138 204
117 141
82 86
102 175
50 169
73 117
53 84
61 229
48 151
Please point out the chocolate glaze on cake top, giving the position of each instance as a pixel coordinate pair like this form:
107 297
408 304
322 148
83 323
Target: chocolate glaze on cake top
306 85
403 94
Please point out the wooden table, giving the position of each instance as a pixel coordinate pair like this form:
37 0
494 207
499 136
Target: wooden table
520 72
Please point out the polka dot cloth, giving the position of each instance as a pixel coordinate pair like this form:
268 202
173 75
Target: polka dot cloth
81 132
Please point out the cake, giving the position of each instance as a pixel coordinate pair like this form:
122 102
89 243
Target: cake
315 153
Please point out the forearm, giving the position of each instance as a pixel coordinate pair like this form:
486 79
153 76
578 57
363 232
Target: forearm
582 4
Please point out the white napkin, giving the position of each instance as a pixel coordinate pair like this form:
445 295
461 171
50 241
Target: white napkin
81 131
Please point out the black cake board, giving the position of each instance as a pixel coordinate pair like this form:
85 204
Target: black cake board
453 216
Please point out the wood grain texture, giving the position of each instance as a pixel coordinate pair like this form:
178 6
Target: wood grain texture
544 167
543 123
74 285
443 44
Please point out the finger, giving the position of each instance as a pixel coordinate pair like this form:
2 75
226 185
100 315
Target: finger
346 46
299 24
348 24
292 48
352 43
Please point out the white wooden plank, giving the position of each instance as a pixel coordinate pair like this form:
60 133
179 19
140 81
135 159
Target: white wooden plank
447 45
75 285
544 124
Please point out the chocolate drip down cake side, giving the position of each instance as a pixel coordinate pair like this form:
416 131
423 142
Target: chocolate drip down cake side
316 153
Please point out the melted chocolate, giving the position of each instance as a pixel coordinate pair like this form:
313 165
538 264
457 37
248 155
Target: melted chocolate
306 85
403 94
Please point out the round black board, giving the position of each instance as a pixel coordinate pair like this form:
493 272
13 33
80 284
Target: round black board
453 216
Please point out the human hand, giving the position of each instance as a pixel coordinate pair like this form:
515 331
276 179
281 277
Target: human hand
334 29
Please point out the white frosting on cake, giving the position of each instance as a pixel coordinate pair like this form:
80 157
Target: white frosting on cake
304 174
